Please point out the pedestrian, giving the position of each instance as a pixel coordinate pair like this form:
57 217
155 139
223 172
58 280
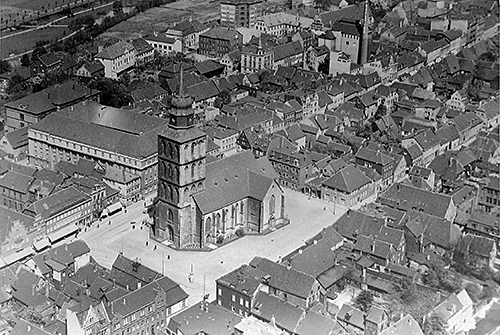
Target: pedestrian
168 256
154 249
147 243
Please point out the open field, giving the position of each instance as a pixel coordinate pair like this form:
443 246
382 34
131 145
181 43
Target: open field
161 18
25 42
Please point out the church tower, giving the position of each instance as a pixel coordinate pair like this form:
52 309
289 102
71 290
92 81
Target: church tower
181 173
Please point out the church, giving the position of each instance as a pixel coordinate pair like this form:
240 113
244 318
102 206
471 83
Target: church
200 203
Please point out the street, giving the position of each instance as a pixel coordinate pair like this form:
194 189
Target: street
307 216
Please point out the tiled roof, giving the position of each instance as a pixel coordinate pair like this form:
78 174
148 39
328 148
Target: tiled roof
407 197
286 315
233 179
374 156
354 223
116 50
318 256
222 33
287 50
210 320
111 129
57 202
207 66
407 325
347 180
16 181
202 91
140 45
355 12
284 278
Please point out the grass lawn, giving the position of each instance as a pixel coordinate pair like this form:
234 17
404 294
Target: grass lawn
34 5
27 41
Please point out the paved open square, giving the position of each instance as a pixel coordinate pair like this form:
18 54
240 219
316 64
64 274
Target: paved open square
307 218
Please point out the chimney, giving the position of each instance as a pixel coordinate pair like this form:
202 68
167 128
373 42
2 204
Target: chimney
139 285
124 301
315 242
289 265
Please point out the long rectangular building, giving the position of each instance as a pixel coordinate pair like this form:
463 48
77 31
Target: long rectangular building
115 138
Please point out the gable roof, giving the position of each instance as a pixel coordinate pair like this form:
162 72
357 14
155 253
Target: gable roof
233 179
347 180
283 278
116 50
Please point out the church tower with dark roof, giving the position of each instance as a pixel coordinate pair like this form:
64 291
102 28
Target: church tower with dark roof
181 173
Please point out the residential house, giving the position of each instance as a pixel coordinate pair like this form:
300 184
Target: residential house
15 144
93 69
348 187
188 31
128 184
407 197
144 52
232 62
488 113
379 161
489 194
220 41
61 213
456 311
117 59
47 63
289 54
293 167
449 138
428 144
14 188
282 281
374 321
18 233
204 318
225 139
406 325
485 225
468 126
458 100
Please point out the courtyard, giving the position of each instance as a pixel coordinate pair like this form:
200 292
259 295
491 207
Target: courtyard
307 218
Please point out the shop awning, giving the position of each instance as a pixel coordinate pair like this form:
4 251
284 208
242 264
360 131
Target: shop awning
41 244
20 255
63 232
114 207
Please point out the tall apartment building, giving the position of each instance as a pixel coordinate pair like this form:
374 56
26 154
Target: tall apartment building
115 138
240 13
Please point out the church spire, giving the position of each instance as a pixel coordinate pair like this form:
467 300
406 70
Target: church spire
364 41
181 82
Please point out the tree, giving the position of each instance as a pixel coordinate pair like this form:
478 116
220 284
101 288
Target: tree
112 92
364 300
324 67
223 98
25 60
4 66
37 52
434 325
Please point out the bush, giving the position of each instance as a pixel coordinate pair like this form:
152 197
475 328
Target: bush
220 239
